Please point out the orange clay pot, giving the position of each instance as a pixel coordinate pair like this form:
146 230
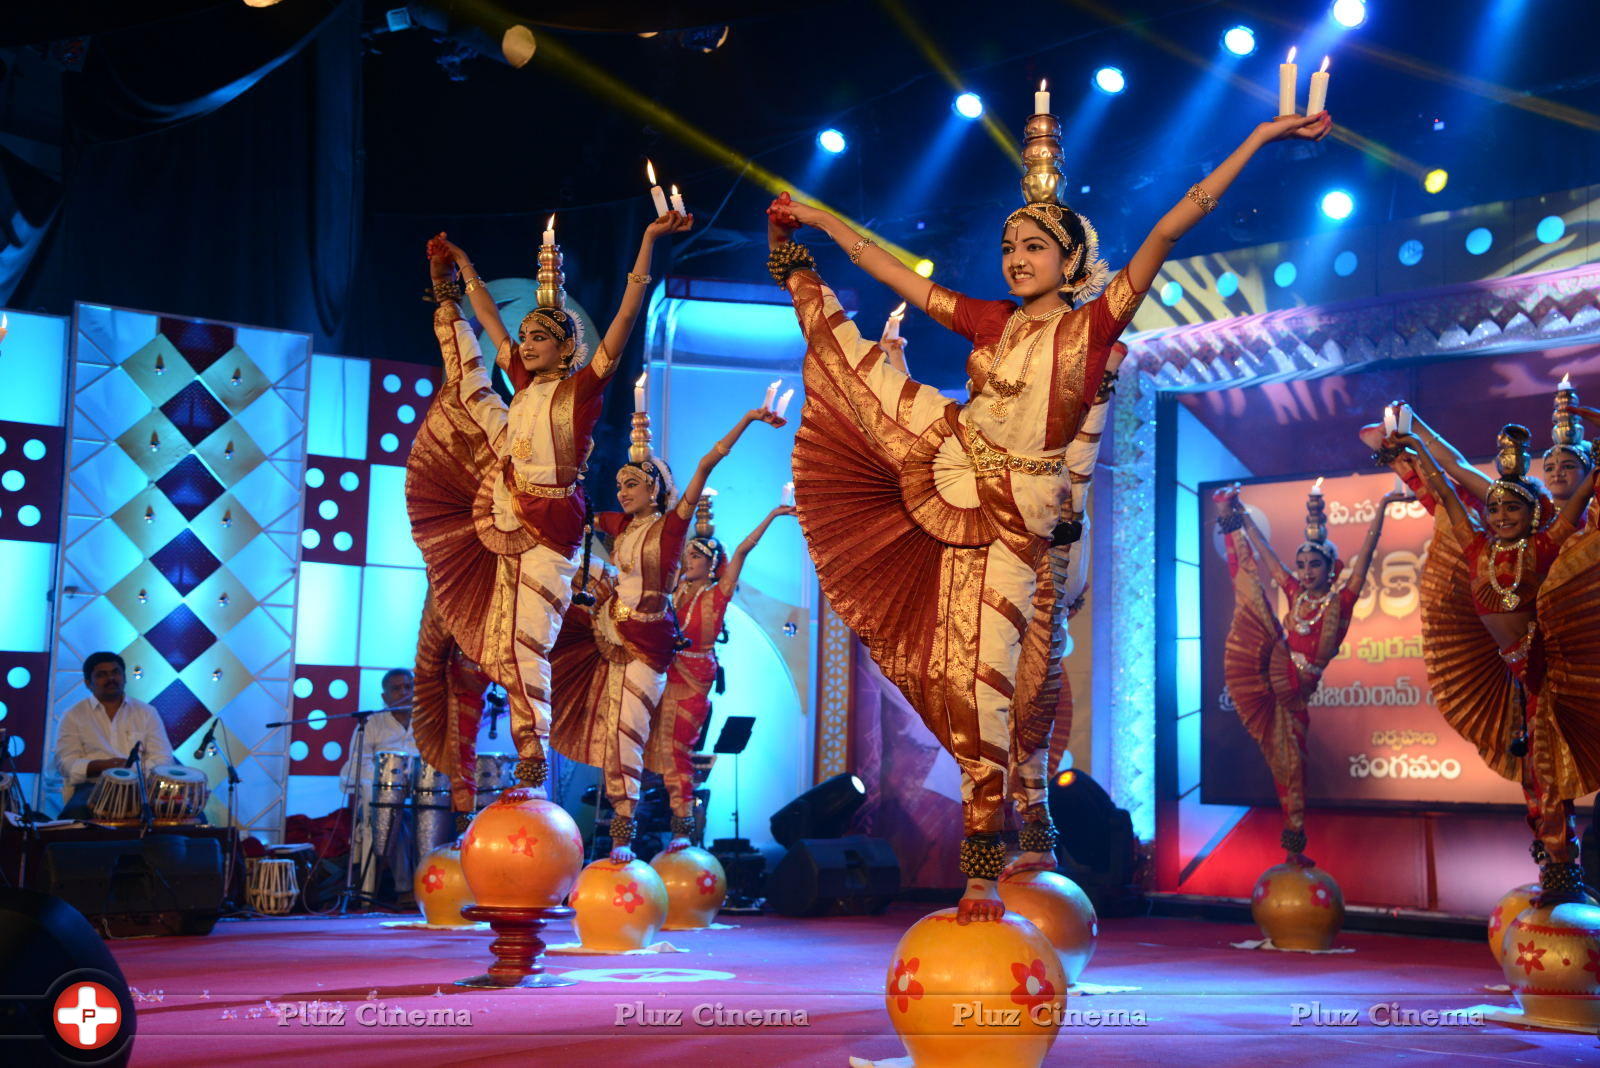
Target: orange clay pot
521 852
619 906
695 886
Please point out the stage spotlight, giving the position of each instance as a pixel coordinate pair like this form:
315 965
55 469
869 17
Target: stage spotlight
831 140
969 106
820 812
259 3
924 268
1096 847
1241 40
1337 204
1349 13
1436 180
1110 80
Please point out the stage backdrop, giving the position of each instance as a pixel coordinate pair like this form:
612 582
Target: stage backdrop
1376 737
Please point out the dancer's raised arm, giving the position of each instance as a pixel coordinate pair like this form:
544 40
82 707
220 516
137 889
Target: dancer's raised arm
606 356
1202 197
785 215
445 256
1363 559
730 573
709 462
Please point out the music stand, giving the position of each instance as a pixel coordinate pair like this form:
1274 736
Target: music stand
732 741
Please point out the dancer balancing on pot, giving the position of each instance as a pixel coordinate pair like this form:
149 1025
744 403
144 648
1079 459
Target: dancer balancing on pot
610 662
1272 670
1508 641
710 577
930 522
495 500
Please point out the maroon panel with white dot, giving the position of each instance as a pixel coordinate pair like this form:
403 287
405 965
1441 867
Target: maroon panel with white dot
396 401
334 526
32 467
321 746
24 692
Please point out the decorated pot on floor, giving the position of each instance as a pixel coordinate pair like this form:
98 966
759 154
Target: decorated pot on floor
1062 912
1297 907
521 852
987 994
695 886
1552 963
1508 908
440 887
618 906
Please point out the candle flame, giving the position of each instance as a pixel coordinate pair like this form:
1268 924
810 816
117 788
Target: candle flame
642 380
1324 64
551 223
776 382
674 190
650 171
1292 49
1566 380
899 311
1041 85
1316 487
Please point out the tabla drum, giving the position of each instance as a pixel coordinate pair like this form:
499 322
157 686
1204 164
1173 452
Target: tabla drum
496 772
430 798
391 784
11 794
270 885
177 794
115 798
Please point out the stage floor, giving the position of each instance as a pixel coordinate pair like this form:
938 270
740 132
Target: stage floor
219 999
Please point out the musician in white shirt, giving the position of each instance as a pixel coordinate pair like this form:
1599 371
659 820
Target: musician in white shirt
98 732
388 731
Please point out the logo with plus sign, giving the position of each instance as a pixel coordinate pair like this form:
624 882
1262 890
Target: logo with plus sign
87 1015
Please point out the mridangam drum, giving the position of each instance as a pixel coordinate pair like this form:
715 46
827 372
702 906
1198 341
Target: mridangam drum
391 783
115 798
430 797
496 772
177 794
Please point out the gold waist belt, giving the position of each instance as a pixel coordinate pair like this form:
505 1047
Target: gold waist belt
986 460
1304 663
621 613
535 489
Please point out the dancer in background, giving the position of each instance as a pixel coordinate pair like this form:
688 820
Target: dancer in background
496 504
1520 683
701 600
1272 670
930 522
610 662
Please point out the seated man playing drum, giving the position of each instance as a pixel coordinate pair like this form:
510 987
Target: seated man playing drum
97 734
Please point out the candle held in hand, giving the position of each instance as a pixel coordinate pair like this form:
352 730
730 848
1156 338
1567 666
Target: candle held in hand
1318 99
772 394
1288 76
1403 419
656 195
677 202
1389 421
891 329
787 497
783 403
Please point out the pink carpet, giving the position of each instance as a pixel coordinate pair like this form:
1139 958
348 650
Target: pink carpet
205 1001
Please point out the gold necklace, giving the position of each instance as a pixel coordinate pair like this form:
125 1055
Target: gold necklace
1303 624
1003 390
635 529
1509 598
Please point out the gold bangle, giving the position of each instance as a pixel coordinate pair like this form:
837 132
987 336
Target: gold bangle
641 279
859 249
474 284
1207 203
721 449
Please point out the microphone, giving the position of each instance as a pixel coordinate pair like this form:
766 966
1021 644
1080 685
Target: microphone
133 755
211 733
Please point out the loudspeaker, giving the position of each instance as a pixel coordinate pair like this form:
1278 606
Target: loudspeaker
163 884
835 876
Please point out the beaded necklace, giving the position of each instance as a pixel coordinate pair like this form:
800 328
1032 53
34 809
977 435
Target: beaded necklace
1304 624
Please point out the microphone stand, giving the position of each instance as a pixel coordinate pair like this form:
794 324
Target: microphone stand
147 816
29 830
209 742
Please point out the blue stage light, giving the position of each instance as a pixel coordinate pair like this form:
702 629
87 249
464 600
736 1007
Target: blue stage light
969 106
1349 13
1241 40
831 140
1110 80
1337 204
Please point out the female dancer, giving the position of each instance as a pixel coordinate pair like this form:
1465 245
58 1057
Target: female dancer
610 662
701 600
930 522
1273 670
496 505
1531 589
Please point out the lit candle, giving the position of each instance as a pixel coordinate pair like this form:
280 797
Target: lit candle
787 498
656 194
891 329
1403 419
550 232
1288 75
1389 422
1316 487
783 403
1041 100
638 392
772 393
677 202
1318 99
